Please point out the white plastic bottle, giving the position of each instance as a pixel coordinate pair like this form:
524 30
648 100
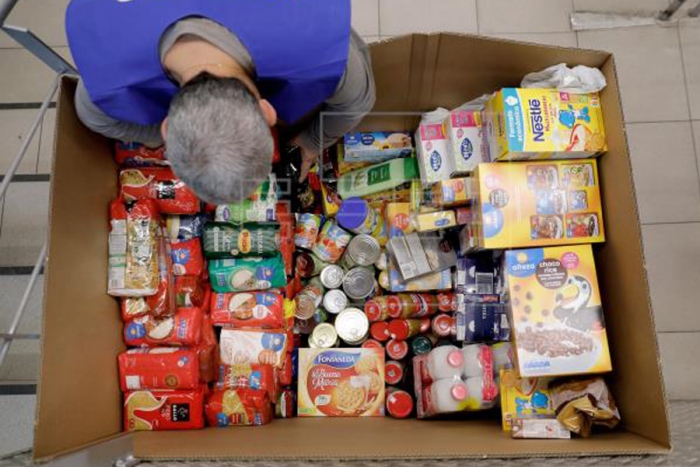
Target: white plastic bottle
445 362
478 359
445 396
482 393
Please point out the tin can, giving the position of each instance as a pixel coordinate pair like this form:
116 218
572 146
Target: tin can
309 299
363 250
396 350
384 281
324 336
402 329
382 262
443 325
335 301
307 265
421 345
413 305
358 217
377 309
352 326
331 242
359 283
304 326
332 276
320 316
394 372
399 403
372 344
307 229
380 331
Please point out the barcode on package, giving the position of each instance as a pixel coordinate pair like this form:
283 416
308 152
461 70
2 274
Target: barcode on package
484 283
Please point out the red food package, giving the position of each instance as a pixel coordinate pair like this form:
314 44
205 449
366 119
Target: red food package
159 368
206 352
190 292
138 155
164 409
248 376
287 224
294 286
171 195
229 407
187 258
285 375
206 305
258 310
184 329
276 140
286 406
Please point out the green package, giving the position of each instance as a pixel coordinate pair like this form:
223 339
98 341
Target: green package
224 240
259 207
378 177
243 275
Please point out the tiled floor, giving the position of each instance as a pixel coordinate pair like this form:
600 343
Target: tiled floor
659 70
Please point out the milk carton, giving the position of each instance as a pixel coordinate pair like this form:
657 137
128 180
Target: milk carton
433 151
527 124
464 130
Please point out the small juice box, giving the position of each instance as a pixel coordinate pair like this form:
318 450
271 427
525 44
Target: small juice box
538 204
430 221
450 193
398 219
341 382
433 153
525 124
557 317
468 148
376 146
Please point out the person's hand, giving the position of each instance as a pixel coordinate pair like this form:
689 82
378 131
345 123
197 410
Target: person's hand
309 157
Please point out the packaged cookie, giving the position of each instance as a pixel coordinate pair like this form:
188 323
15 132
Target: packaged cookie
248 310
160 184
244 346
184 329
164 409
238 407
556 312
341 382
250 376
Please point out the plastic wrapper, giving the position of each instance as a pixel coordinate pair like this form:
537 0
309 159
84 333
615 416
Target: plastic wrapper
133 249
286 406
190 292
206 352
239 346
185 227
184 329
285 375
259 207
248 376
582 403
187 257
261 310
222 240
159 368
164 409
139 155
171 195
238 407
579 79
243 275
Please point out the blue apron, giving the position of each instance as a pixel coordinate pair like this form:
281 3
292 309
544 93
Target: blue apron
299 48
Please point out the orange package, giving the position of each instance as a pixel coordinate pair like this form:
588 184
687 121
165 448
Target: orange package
171 195
229 407
187 258
159 368
182 330
258 310
138 155
164 409
247 376
206 352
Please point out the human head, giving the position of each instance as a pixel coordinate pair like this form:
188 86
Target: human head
217 138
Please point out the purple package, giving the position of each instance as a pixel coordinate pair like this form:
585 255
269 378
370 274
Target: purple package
480 321
479 274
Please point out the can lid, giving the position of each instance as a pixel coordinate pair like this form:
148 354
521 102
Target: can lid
399 404
305 306
364 250
421 345
352 213
324 335
459 391
397 349
455 358
335 301
358 283
380 331
332 276
393 372
394 306
399 329
352 325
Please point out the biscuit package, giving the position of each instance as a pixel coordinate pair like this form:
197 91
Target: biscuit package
238 407
524 124
248 310
164 409
243 346
376 146
556 312
341 382
184 329
538 204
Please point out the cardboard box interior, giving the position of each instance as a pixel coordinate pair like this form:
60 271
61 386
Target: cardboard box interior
79 400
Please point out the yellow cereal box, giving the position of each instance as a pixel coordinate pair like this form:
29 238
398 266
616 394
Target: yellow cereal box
557 317
529 204
527 124
341 382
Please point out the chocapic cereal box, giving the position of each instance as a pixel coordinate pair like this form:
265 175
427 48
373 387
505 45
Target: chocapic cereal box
341 382
556 311
538 204
544 124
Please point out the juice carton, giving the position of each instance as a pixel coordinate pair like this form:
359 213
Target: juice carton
556 312
527 124
538 204
376 146
376 178
341 382
468 148
433 153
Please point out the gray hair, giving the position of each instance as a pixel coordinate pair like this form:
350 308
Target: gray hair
217 140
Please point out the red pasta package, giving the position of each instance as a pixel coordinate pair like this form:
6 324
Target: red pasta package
206 352
256 310
230 407
164 409
138 155
287 223
158 368
187 258
171 195
184 329
190 291
250 376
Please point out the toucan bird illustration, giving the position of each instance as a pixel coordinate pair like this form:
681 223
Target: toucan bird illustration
572 308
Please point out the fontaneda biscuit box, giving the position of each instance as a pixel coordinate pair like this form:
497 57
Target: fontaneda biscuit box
341 382
527 124
556 312
538 204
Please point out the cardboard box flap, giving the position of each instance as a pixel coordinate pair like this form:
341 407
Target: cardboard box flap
79 400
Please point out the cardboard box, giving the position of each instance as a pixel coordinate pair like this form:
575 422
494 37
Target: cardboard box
76 409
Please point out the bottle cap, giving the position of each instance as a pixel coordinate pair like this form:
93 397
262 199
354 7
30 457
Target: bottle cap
455 358
352 213
459 392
